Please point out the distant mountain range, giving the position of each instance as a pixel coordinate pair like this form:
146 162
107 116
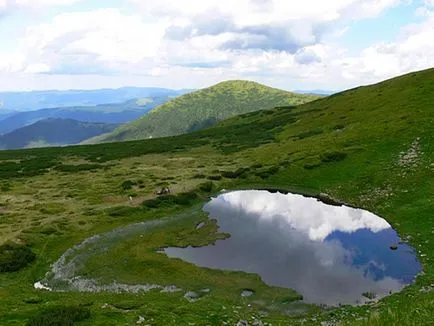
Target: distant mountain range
25 101
117 113
53 132
316 92
203 108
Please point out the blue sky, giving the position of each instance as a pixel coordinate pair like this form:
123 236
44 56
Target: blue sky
310 44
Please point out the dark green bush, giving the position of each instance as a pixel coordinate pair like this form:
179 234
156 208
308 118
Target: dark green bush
215 177
128 184
121 211
59 316
311 166
206 187
199 176
267 172
14 257
333 157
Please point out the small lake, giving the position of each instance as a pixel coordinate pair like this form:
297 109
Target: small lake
330 254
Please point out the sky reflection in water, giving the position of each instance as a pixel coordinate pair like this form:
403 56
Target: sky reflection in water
328 254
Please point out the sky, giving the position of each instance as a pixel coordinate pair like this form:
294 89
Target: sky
293 45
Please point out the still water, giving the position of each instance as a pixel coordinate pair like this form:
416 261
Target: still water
329 254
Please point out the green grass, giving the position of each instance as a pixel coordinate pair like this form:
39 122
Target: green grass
357 158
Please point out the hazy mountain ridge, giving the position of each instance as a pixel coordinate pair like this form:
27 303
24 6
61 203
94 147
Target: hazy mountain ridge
53 132
35 100
103 113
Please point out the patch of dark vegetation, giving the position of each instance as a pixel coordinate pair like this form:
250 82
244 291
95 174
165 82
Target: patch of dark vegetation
27 167
182 199
69 168
333 157
311 166
59 316
32 300
127 305
267 172
215 177
5 187
199 176
207 187
239 173
14 257
128 184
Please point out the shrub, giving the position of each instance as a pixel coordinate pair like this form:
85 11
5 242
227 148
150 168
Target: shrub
14 257
59 316
199 176
128 184
206 186
311 166
333 157
215 177
240 173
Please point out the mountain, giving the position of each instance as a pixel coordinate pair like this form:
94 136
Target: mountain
203 108
35 100
103 113
53 132
371 147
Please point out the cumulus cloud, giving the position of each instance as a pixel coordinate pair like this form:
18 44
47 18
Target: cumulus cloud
306 215
278 42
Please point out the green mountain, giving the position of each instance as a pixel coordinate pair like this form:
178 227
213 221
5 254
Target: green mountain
203 108
371 147
53 132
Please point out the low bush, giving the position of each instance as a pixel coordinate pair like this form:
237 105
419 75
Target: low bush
14 257
333 157
59 316
128 184
206 187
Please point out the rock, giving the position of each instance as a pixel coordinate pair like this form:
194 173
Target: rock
243 323
247 293
258 322
394 247
140 321
191 296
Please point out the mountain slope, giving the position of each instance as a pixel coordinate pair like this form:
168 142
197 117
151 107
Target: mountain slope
53 132
103 113
203 108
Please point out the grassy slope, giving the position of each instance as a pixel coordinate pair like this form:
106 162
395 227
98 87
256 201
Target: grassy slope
204 108
55 132
372 125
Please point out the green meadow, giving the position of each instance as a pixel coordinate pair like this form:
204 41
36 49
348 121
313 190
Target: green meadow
370 147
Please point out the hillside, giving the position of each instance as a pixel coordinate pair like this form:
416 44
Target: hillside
36 100
371 147
203 108
53 132
104 113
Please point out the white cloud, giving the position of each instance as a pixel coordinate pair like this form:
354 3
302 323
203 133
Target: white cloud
307 215
288 44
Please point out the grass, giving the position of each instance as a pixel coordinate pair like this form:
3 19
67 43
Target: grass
50 211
